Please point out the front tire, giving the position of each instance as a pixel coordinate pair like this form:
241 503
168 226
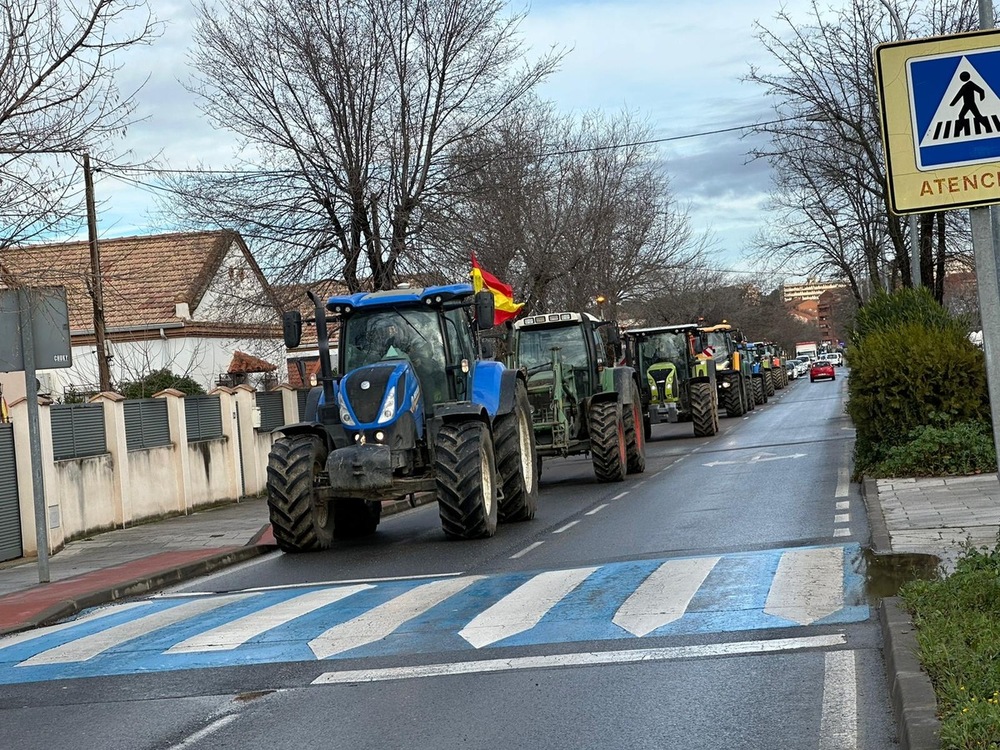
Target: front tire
768 383
517 464
733 399
300 519
466 477
355 518
635 443
607 441
704 412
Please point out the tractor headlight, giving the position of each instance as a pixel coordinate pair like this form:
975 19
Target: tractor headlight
388 407
345 415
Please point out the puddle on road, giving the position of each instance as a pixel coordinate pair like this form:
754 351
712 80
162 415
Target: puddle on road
886 574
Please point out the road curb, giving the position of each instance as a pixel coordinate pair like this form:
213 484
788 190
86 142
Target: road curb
910 690
144 584
881 543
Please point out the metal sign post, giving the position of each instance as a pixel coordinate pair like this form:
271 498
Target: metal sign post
36 323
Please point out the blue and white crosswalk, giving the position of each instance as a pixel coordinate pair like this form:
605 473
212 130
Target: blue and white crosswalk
640 599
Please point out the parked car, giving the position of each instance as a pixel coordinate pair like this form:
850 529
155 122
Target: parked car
793 370
821 368
835 357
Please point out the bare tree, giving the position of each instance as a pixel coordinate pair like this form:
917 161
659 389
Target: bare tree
831 195
58 96
351 107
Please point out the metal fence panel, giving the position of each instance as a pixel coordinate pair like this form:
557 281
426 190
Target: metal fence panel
146 423
204 417
272 410
10 514
77 431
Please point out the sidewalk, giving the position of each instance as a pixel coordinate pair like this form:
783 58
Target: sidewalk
126 562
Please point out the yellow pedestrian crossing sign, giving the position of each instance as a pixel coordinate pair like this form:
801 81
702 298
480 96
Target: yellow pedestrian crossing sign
940 101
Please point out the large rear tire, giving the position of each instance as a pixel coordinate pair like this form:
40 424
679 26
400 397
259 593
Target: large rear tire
354 517
607 441
768 383
635 440
466 477
704 413
759 394
300 520
732 398
748 393
517 464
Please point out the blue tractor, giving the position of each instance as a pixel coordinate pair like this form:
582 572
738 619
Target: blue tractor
416 409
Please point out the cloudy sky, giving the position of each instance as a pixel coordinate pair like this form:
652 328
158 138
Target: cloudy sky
677 63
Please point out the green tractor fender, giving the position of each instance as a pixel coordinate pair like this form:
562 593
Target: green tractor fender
618 381
704 372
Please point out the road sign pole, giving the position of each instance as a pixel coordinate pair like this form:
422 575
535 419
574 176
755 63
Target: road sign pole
26 309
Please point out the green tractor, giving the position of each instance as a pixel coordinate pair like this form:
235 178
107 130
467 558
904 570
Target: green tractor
772 365
732 369
581 402
679 383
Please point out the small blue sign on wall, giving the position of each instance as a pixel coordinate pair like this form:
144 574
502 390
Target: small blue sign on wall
955 108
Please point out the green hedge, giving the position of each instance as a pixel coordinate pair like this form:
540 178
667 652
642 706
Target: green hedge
909 375
886 312
932 451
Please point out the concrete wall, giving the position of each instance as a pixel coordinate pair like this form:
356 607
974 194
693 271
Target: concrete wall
121 487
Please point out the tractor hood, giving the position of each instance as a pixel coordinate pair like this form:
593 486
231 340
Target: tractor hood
377 395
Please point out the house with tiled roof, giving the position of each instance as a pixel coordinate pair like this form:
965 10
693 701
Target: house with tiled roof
195 303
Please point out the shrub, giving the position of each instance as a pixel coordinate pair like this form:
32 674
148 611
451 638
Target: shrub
884 312
159 380
910 376
963 448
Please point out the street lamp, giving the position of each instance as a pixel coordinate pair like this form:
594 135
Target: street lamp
912 218
601 299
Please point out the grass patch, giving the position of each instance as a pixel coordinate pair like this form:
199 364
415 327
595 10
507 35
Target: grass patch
958 632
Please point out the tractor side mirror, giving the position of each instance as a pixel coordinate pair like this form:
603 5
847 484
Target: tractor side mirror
291 323
484 310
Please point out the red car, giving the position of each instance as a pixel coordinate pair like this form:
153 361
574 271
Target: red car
821 368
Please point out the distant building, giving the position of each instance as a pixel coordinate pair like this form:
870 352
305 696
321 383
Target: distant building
810 290
805 311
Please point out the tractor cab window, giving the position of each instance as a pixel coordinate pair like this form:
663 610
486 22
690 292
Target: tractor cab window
717 340
535 347
385 335
456 331
663 347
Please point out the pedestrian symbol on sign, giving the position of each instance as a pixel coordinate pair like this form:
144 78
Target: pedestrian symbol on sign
956 110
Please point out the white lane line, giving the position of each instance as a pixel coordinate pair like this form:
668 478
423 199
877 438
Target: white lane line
12 640
383 620
205 731
843 505
598 509
570 525
524 607
664 596
842 532
581 659
620 495
808 585
679 458
234 634
842 518
526 550
90 646
838 728
843 482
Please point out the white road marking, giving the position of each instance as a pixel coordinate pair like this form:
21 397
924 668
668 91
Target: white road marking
843 482
842 518
234 634
664 596
204 732
30 635
841 532
838 728
90 646
581 659
808 585
314 584
843 505
383 620
524 607
620 495
526 550
570 525
598 509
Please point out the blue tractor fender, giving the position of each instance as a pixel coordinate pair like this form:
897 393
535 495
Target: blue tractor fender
494 386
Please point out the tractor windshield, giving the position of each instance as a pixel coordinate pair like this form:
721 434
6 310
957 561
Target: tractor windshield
663 347
413 334
534 347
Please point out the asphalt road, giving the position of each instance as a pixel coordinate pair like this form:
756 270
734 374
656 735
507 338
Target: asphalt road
716 601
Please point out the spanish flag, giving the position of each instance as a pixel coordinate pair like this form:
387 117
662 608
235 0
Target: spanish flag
504 307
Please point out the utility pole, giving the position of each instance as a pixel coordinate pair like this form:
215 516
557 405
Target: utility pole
96 282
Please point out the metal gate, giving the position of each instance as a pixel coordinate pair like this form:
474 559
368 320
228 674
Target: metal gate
10 512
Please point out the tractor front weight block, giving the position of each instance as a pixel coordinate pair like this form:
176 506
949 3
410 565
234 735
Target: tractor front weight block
359 468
